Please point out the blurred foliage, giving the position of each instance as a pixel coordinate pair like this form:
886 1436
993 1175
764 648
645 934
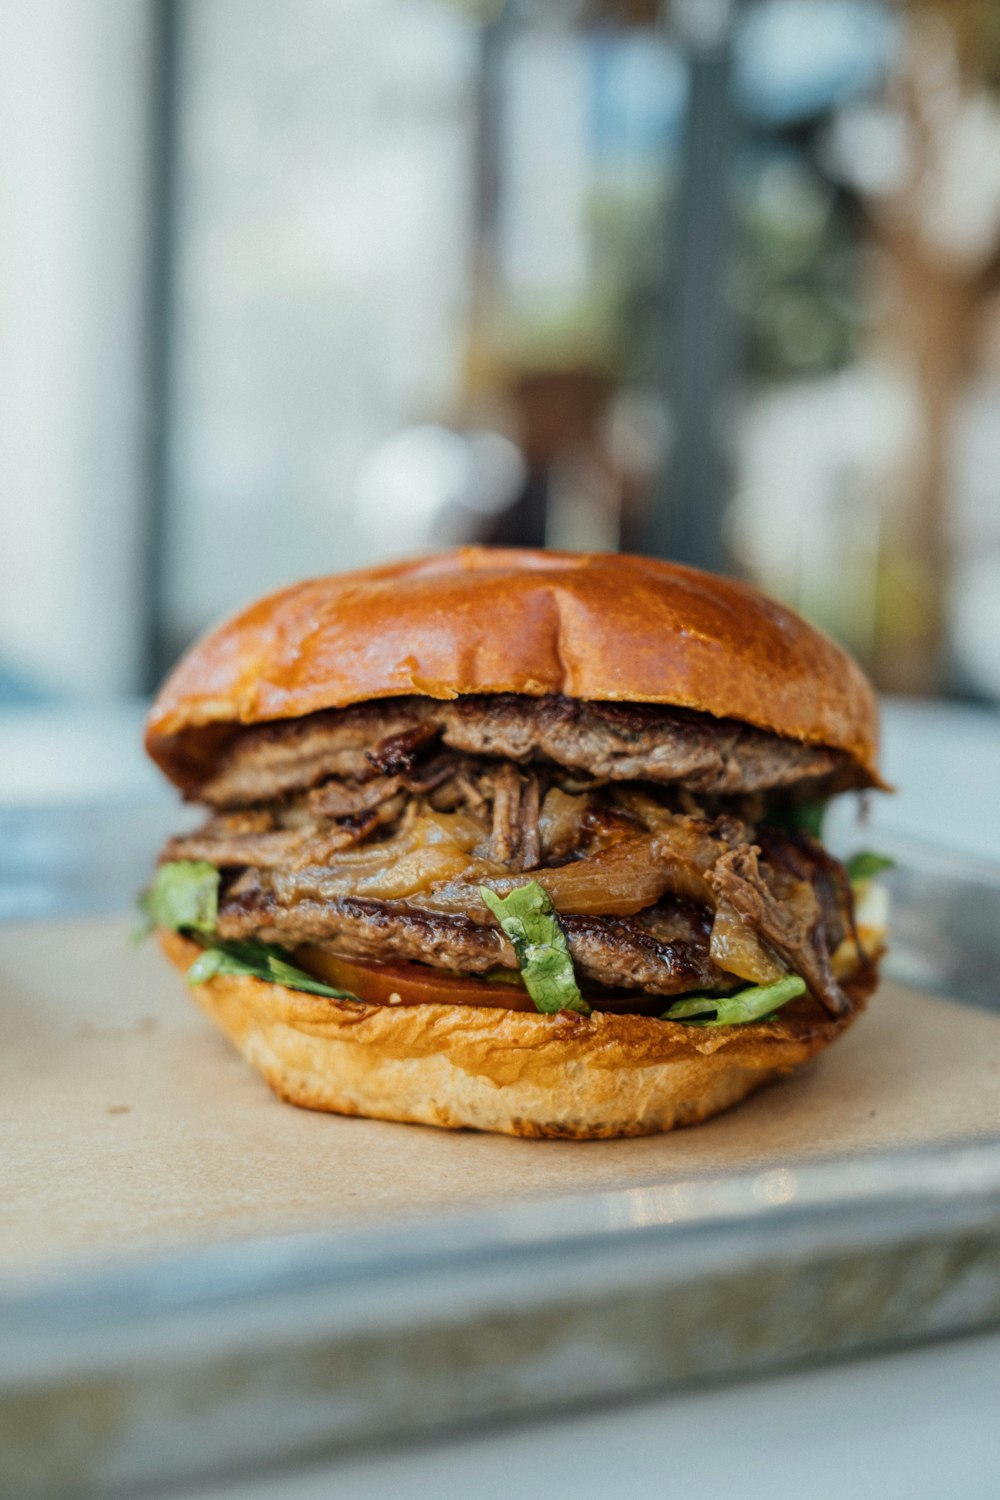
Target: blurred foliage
796 274
797 268
630 243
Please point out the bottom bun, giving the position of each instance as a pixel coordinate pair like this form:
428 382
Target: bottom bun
466 1067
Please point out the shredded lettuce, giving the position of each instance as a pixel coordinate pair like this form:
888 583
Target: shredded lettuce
866 863
791 816
758 1003
529 921
260 961
184 897
810 816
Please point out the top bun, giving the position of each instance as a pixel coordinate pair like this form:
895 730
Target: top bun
604 626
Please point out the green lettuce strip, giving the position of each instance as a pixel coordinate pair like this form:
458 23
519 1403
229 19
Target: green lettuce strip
529 921
807 817
758 1003
259 961
866 864
184 897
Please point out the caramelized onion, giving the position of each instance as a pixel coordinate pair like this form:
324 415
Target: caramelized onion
560 822
736 948
435 848
440 861
442 858
431 829
617 881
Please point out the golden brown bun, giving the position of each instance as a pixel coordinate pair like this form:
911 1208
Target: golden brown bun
600 626
512 1072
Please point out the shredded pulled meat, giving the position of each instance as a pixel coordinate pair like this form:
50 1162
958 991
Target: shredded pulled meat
790 923
372 830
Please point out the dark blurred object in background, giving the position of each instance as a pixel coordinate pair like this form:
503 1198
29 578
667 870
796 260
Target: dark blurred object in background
578 492
290 288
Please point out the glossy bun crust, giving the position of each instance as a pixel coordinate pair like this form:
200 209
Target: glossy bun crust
601 626
512 1072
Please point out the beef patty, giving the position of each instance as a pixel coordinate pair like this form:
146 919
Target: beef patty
615 741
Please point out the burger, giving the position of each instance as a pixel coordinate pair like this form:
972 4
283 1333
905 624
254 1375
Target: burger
521 841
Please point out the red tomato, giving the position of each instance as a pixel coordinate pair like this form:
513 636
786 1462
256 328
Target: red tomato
417 984
408 984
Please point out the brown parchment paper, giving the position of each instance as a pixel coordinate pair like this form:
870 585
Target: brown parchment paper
127 1122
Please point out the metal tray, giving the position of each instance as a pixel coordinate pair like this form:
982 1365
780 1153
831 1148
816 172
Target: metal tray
188 1286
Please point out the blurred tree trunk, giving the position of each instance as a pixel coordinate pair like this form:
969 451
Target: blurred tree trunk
937 249
931 333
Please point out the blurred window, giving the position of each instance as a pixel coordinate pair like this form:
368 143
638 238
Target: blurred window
74 148
324 239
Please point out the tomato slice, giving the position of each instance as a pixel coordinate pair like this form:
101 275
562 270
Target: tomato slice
408 984
417 984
